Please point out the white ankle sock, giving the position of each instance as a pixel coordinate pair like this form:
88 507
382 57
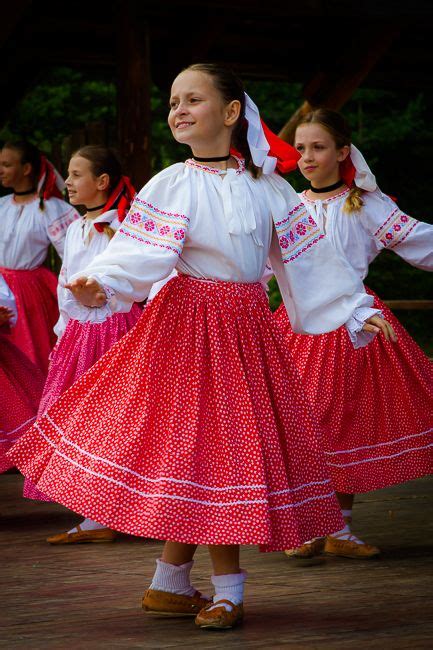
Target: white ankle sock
172 578
87 524
229 587
345 533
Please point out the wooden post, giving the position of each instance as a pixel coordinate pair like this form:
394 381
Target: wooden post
134 87
334 86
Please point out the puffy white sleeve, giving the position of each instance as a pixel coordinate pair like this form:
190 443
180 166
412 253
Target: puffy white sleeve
393 229
148 244
7 299
58 216
320 291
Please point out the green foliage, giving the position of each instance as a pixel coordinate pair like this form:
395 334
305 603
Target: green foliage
65 101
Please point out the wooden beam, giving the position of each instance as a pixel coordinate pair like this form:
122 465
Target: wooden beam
333 86
134 85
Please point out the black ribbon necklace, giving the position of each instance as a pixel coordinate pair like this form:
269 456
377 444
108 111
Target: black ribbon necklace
215 159
98 207
328 188
31 191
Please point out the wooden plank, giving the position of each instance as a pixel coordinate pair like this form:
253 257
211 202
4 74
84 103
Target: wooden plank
88 596
410 304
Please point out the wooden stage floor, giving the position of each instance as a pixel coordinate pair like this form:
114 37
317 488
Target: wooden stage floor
87 597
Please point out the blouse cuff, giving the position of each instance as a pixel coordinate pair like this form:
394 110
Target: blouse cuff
354 326
76 311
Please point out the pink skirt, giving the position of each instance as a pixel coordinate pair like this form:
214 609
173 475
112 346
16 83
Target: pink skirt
21 385
35 293
375 404
81 345
194 428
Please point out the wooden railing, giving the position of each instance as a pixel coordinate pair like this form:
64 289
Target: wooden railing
409 304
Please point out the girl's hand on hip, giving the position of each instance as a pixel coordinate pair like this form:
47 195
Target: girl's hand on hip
377 324
88 292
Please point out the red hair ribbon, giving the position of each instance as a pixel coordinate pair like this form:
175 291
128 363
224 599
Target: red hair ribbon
348 171
120 199
286 155
50 183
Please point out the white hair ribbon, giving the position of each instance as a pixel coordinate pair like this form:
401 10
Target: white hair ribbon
364 177
257 142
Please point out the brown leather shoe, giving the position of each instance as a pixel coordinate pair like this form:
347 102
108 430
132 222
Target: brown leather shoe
350 548
96 536
213 617
307 550
164 603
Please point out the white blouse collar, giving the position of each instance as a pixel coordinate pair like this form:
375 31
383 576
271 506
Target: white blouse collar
329 200
214 170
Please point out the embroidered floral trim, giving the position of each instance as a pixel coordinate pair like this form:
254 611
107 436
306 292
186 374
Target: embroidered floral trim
332 198
149 225
395 228
213 170
297 233
59 226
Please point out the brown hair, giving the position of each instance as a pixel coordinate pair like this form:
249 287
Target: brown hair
231 88
29 154
340 131
102 161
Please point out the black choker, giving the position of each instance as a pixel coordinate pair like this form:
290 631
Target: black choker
98 207
32 191
328 188
216 159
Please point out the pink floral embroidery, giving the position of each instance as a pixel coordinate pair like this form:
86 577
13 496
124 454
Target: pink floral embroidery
297 233
155 227
396 227
134 217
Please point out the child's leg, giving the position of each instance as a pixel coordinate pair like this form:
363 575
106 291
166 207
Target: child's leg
176 553
171 592
343 542
228 580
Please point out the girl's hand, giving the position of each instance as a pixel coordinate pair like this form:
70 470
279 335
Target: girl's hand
88 292
376 324
5 315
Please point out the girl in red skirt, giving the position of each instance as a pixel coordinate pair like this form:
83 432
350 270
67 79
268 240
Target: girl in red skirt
21 382
31 218
375 404
179 432
95 181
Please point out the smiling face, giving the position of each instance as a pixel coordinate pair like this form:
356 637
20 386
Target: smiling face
12 171
84 188
198 115
320 159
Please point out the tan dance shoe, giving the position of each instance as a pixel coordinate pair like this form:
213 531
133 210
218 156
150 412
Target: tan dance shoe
307 550
95 536
164 603
350 548
213 617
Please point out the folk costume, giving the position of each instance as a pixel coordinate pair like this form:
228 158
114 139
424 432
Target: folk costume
195 426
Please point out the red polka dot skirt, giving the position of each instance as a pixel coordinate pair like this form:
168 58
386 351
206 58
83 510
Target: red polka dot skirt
193 428
375 404
21 384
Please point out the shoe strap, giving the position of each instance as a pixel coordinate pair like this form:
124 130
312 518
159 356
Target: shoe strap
222 602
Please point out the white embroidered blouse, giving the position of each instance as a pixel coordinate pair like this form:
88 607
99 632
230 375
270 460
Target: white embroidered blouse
82 243
7 299
215 225
358 237
26 231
